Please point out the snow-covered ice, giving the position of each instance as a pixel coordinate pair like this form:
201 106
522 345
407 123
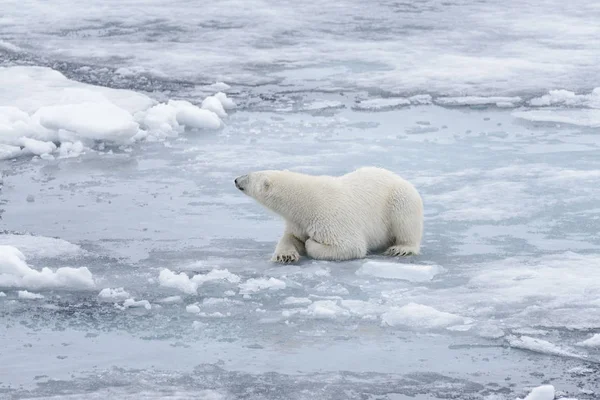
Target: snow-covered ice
544 392
117 294
123 125
390 270
24 294
15 272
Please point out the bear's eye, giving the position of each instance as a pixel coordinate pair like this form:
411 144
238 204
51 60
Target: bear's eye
266 184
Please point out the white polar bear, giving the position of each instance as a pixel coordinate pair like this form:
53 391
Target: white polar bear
340 218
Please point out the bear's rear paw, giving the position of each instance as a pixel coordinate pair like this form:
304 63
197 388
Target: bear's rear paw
396 251
286 258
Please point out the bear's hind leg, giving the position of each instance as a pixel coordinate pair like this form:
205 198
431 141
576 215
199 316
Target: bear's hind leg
320 251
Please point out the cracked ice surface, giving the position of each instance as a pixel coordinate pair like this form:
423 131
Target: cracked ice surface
131 267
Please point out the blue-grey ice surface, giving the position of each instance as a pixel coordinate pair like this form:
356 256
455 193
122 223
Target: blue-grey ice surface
489 108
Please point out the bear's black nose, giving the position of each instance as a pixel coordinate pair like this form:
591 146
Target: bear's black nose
237 185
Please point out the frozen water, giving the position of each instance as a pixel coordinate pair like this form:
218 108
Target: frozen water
544 392
388 270
123 125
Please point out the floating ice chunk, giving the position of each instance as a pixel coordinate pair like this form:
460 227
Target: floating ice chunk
131 303
195 117
420 316
161 120
97 121
212 103
587 117
8 152
171 300
226 102
568 98
391 270
220 86
381 104
24 294
479 101
296 301
14 272
255 285
593 341
216 275
420 99
41 246
326 309
181 281
37 147
2 294
319 105
70 149
540 346
192 308
544 392
117 294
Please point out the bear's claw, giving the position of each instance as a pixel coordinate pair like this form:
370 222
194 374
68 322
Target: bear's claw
286 258
401 251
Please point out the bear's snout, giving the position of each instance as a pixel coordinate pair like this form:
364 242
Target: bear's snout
240 182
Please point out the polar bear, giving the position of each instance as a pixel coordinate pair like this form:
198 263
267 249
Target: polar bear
340 217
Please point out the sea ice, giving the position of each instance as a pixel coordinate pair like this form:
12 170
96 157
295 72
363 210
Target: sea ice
544 392
402 271
419 316
24 294
117 294
41 246
254 285
593 341
181 281
14 272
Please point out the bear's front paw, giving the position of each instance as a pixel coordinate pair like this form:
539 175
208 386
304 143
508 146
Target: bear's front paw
286 258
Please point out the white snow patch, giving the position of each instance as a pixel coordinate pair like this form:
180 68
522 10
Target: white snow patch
578 117
540 346
391 270
2 294
117 294
226 102
255 285
296 301
40 107
212 103
41 246
24 294
131 303
381 104
568 98
14 272
171 300
544 392
479 101
192 308
181 281
593 341
420 316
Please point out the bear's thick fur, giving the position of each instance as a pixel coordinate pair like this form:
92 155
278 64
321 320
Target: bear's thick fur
340 218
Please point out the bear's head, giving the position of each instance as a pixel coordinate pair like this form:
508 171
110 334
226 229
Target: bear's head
267 187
